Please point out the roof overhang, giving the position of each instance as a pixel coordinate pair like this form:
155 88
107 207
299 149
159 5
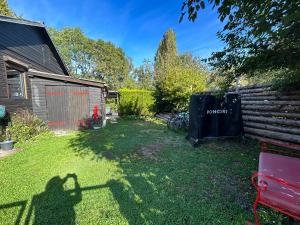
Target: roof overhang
21 21
65 78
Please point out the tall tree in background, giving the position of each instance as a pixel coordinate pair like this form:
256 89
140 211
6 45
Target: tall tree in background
112 63
165 57
94 59
166 53
183 79
76 50
260 36
144 75
5 10
176 76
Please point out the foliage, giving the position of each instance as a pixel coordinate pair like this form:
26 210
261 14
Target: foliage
180 82
176 77
260 36
94 59
136 102
112 63
112 104
5 10
178 184
166 54
24 125
76 50
144 75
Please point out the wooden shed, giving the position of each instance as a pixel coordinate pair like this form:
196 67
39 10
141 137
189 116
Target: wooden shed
33 76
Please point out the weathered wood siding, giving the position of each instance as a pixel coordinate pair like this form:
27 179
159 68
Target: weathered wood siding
39 98
96 99
269 114
38 89
3 81
30 45
67 107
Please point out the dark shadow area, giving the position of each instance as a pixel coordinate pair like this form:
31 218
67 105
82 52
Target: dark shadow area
55 205
129 208
21 204
114 142
179 185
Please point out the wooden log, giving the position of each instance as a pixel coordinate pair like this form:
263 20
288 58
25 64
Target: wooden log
272 114
272 134
255 86
280 108
244 102
254 90
271 93
289 145
271 97
289 130
264 93
263 119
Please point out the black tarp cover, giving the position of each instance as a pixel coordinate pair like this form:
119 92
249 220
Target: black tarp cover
212 116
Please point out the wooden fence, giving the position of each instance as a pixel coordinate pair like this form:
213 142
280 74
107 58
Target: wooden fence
270 114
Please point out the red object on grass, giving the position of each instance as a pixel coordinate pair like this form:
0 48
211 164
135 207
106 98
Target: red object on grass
278 184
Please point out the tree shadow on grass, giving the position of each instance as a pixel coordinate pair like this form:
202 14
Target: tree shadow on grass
184 187
115 142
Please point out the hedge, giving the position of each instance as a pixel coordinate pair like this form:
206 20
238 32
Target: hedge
136 102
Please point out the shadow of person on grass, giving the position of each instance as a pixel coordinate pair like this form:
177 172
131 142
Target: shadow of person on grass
55 205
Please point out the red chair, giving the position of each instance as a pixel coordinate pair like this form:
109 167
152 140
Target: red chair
278 184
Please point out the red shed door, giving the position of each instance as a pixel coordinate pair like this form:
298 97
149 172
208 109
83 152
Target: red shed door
67 107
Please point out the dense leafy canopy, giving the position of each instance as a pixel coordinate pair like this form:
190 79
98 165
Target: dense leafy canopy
176 76
166 53
94 59
136 102
112 63
144 75
76 50
182 80
259 36
5 10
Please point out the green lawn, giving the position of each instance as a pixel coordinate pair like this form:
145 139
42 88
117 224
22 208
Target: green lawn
132 172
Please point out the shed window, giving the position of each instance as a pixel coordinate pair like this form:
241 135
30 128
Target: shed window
16 84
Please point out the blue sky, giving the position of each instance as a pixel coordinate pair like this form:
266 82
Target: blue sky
137 26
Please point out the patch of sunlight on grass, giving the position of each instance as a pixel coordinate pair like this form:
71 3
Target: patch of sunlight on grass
101 177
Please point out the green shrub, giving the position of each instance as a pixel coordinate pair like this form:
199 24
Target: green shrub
24 126
136 102
112 104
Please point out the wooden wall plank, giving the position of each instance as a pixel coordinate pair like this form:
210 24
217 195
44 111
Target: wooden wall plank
269 114
272 134
289 130
269 120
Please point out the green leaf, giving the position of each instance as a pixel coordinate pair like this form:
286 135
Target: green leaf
202 4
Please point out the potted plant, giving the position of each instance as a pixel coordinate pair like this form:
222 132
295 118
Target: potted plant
7 144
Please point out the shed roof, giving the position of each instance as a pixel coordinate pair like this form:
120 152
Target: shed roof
42 29
112 94
69 79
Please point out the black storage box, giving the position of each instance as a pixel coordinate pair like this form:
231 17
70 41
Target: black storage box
212 116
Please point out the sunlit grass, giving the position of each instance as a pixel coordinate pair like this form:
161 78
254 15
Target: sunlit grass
132 172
